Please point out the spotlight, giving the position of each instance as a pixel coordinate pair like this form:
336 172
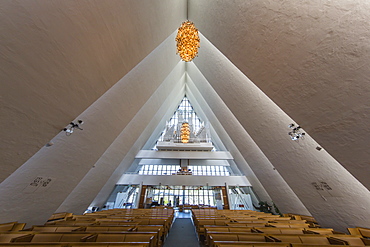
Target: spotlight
70 128
296 132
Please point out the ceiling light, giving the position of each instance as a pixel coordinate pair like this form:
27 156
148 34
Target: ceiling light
187 41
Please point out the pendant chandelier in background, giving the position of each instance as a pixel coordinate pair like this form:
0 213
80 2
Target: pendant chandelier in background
188 41
185 132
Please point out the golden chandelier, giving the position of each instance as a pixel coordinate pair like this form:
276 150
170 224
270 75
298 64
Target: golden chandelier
187 41
185 132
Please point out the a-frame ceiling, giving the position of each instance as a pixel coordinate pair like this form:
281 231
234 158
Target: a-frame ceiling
261 65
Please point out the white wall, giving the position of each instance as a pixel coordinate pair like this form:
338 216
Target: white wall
310 57
71 157
299 163
166 94
248 156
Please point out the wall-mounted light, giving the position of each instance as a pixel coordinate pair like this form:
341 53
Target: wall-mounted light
296 132
72 126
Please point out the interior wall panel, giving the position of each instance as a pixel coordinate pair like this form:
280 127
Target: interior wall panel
303 167
312 58
253 159
58 57
82 196
65 163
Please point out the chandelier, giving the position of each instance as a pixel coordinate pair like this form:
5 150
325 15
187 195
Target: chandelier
187 41
185 132
296 132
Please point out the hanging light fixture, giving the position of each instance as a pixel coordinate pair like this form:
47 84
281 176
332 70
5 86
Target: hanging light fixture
185 132
188 41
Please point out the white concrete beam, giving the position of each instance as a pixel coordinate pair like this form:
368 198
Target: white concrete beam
167 94
152 154
71 157
248 157
345 201
312 58
184 180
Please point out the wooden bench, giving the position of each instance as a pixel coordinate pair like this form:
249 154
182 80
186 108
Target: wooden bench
11 226
60 216
305 239
315 245
349 240
212 237
41 237
71 223
158 229
130 237
75 237
249 244
10 237
364 232
33 244
267 230
321 239
310 239
48 228
126 244
290 225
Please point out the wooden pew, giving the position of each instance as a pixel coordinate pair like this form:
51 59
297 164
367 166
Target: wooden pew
311 239
159 229
84 244
33 244
315 245
60 216
321 239
349 240
75 237
71 223
212 237
11 226
9 237
364 232
249 244
309 219
305 239
266 230
290 225
41 237
54 228
129 237
126 244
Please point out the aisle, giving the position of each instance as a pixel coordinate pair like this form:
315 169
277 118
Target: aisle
182 234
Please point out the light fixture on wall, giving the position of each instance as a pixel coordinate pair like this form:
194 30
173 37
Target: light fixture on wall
188 41
296 132
72 126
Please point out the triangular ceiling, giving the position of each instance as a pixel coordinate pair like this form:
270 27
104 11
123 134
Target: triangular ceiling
63 61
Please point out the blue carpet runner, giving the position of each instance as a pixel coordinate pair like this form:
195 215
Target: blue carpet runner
182 234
